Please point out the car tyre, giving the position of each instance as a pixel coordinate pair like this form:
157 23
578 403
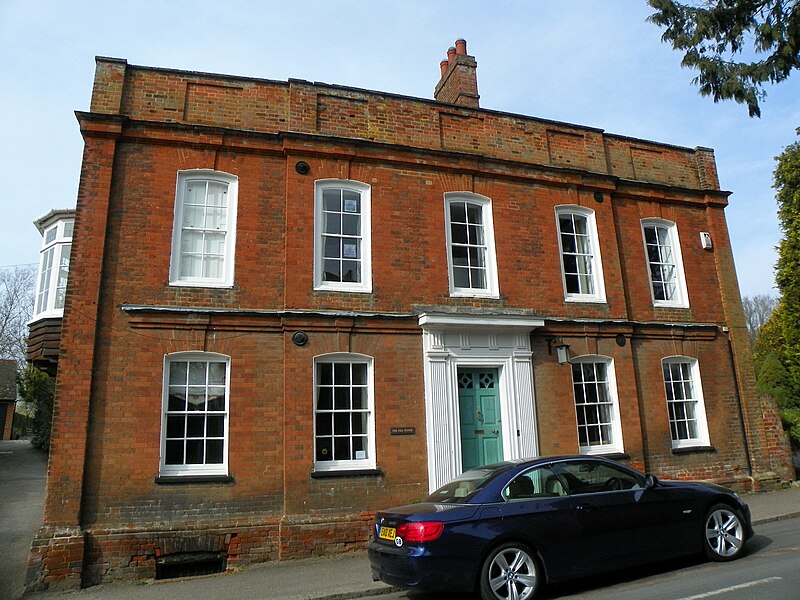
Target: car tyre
510 572
723 533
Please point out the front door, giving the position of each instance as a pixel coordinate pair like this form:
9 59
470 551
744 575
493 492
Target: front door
479 410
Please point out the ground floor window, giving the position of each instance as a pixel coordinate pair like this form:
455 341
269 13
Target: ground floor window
194 438
687 415
596 406
344 430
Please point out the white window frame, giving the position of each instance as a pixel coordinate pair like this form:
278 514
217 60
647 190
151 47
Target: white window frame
180 470
692 368
369 462
51 283
598 295
616 443
681 299
490 258
364 191
232 183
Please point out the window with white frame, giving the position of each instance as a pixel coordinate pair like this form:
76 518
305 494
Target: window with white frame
344 427
470 245
194 428
665 266
596 405
51 285
581 267
204 231
343 244
687 414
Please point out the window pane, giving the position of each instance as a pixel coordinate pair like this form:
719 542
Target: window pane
196 398
341 373
332 200
351 224
176 426
325 398
458 233
177 399
324 374
194 452
333 223
214 452
215 426
332 247
324 448
216 399
195 426
458 212
177 372
197 373
216 373
174 453
324 424
341 398
359 374
341 448
332 271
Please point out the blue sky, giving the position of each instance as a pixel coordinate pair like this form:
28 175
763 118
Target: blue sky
589 62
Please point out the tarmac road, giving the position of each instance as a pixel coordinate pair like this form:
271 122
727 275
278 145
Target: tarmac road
23 469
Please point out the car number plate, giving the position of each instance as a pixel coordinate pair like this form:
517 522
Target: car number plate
387 533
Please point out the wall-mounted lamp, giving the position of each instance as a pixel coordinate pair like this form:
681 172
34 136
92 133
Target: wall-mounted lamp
562 350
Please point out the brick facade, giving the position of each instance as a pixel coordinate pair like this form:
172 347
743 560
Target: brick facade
110 515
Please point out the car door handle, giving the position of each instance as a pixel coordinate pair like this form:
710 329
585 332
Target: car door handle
585 507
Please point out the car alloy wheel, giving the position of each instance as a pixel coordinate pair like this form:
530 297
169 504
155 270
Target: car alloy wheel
723 533
510 572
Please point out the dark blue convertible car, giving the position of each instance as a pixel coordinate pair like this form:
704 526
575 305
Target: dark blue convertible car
505 529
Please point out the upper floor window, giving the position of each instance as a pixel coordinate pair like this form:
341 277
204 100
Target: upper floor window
664 263
687 413
344 423
343 253
51 286
596 405
194 421
470 245
580 255
204 231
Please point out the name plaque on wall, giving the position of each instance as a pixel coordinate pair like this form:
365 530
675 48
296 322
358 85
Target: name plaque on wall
403 430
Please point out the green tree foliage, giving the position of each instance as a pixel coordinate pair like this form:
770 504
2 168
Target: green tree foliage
38 389
717 37
787 269
769 340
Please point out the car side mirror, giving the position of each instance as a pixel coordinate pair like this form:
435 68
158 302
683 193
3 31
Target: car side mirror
650 481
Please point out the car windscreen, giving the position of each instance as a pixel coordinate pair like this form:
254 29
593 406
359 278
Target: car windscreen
465 486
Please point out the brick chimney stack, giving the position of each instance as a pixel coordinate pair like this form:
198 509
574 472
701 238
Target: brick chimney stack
459 82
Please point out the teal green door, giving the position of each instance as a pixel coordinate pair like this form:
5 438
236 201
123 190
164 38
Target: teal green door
479 413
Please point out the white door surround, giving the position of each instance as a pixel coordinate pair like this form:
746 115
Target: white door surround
457 340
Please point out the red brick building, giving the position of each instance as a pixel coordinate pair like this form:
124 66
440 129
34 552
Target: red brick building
292 303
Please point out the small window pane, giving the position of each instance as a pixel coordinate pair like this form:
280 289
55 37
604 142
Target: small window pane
214 452
195 426
174 452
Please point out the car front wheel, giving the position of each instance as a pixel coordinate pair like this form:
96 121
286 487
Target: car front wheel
723 533
510 572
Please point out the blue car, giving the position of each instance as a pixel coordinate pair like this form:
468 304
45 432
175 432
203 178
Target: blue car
506 529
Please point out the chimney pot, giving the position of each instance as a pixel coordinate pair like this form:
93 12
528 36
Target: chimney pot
443 66
451 54
461 46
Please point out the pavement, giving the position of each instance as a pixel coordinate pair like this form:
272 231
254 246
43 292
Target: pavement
337 577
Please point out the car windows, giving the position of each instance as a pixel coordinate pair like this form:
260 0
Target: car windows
586 477
463 487
539 482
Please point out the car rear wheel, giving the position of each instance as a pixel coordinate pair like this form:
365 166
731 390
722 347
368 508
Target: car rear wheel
723 533
510 572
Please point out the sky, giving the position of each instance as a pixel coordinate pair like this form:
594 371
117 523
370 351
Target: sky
597 63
